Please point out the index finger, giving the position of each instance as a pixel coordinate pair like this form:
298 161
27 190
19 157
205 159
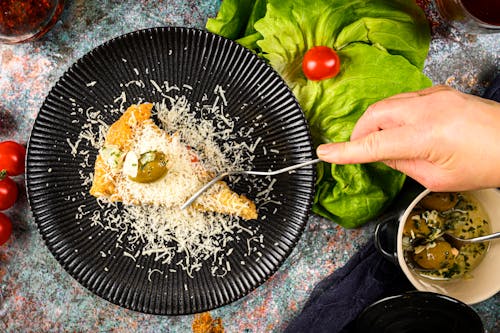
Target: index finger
399 143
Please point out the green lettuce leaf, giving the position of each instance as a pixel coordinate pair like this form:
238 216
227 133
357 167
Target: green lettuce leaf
236 19
382 45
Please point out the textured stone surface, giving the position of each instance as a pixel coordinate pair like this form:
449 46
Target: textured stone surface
37 295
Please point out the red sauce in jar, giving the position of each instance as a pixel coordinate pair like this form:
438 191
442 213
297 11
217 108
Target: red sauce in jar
487 11
25 20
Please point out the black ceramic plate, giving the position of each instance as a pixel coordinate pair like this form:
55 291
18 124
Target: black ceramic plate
184 57
419 312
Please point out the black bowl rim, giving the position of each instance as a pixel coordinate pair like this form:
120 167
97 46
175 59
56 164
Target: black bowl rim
423 295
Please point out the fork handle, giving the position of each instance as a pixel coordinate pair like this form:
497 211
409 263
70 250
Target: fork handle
482 238
283 170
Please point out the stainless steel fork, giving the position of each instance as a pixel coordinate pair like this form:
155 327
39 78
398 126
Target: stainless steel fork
242 172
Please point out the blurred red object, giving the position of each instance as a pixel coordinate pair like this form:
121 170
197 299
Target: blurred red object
27 20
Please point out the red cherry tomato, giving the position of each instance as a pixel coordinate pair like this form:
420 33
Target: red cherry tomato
320 63
12 157
5 228
8 191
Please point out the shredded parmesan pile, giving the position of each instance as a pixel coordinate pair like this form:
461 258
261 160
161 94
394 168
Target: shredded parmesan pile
185 239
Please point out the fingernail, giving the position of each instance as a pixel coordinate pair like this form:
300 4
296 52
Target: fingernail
322 150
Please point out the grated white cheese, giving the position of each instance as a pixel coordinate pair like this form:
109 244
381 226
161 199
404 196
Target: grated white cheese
73 146
151 271
188 239
122 99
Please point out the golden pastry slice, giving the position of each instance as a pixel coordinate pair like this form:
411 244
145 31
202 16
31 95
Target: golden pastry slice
119 135
141 164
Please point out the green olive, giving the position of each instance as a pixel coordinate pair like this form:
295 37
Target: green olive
440 201
436 257
152 166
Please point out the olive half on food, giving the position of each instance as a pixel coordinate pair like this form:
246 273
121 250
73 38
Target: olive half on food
148 168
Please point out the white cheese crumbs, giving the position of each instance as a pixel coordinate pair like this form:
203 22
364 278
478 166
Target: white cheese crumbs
156 86
151 271
126 254
168 88
91 84
186 239
138 83
73 146
122 99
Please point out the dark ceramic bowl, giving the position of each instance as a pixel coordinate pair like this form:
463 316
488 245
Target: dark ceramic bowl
419 312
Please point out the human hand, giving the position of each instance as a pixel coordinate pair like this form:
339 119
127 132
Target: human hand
442 138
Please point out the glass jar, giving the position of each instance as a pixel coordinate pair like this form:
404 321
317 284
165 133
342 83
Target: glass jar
471 16
27 20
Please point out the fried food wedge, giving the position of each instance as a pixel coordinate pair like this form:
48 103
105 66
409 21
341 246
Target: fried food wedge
108 171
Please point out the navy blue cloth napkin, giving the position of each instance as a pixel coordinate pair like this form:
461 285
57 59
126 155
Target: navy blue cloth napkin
337 301
493 91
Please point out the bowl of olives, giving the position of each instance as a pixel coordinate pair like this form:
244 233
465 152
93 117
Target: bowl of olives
431 262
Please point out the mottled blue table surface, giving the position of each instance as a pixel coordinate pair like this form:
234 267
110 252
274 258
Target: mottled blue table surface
37 295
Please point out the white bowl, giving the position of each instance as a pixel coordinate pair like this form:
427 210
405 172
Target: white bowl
485 281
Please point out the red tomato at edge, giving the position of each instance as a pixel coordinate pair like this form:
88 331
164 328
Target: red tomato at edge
12 157
8 192
320 63
5 228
